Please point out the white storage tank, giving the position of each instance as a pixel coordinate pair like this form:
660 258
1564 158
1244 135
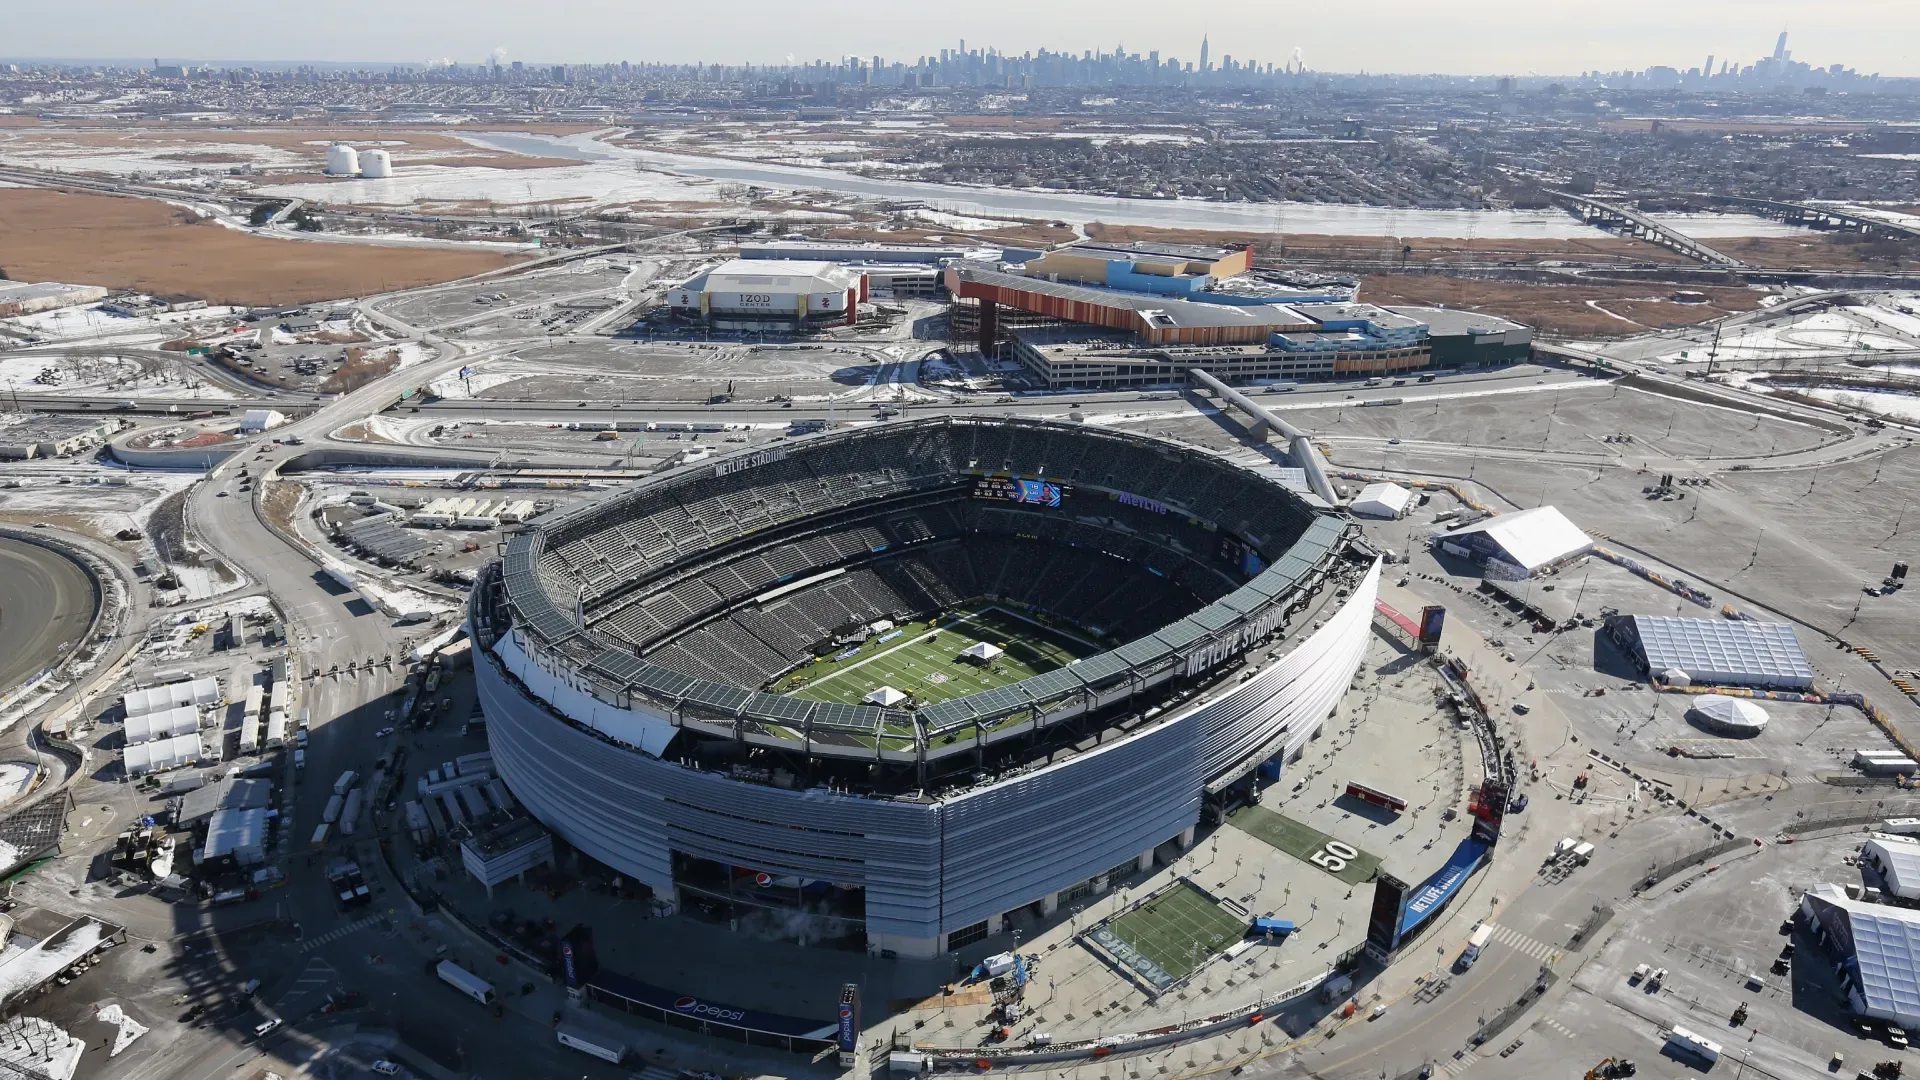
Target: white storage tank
376 164
342 160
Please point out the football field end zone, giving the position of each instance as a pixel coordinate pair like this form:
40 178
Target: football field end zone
1306 843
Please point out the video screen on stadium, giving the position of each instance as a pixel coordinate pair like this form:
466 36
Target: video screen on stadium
1038 492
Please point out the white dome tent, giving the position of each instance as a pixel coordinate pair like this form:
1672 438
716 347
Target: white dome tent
1729 715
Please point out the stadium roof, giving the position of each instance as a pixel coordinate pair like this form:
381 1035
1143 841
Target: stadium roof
1886 952
543 588
1532 538
1732 651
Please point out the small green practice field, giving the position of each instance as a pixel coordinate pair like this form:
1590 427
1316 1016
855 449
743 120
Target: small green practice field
923 659
1177 931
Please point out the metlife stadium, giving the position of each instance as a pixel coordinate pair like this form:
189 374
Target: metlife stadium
637 657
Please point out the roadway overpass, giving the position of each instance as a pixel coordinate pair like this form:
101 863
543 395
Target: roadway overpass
1618 218
1814 217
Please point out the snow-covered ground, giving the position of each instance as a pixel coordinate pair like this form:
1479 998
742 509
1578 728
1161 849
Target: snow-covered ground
1886 403
92 323
37 1047
127 1028
960 222
86 373
1848 334
458 386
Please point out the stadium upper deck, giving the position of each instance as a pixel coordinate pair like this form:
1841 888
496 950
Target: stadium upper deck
599 586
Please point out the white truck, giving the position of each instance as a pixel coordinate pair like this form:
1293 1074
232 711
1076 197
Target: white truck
465 981
346 780
1476 942
587 1042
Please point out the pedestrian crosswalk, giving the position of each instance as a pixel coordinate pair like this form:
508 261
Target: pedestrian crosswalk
338 932
1557 1026
1796 779
1456 1066
657 1072
1514 939
314 978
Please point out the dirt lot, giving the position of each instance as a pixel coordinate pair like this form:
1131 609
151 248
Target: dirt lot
1844 251
1379 248
144 245
1559 310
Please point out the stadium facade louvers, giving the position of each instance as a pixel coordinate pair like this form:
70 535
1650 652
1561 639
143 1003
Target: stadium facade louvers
578 723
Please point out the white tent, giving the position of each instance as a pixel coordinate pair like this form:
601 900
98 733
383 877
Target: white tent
162 754
240 833
171 695
261 420
884 696
1381 501
1673 676
983 652
1531 539
164 724
1732 715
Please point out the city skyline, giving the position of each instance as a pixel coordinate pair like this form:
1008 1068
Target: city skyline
1492 37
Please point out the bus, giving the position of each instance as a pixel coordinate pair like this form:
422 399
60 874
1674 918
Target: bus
1375 796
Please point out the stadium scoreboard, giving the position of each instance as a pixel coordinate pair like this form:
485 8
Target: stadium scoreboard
1010 489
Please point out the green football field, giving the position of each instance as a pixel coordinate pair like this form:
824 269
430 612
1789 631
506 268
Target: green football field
1179 930
924 660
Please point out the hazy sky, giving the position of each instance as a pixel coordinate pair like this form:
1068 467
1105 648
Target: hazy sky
1461 36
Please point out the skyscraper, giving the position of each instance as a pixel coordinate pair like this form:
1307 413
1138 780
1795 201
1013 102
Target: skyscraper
1780 47
1203 50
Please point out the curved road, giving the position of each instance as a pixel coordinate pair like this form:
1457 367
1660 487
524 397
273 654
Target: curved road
46 604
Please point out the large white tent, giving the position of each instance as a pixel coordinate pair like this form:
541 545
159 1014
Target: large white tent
983 652
1880 948
1532 540
1381 501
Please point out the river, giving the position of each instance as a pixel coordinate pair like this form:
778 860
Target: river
1318 219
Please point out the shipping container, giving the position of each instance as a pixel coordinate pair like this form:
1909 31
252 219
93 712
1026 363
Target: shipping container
465 981
587 1042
